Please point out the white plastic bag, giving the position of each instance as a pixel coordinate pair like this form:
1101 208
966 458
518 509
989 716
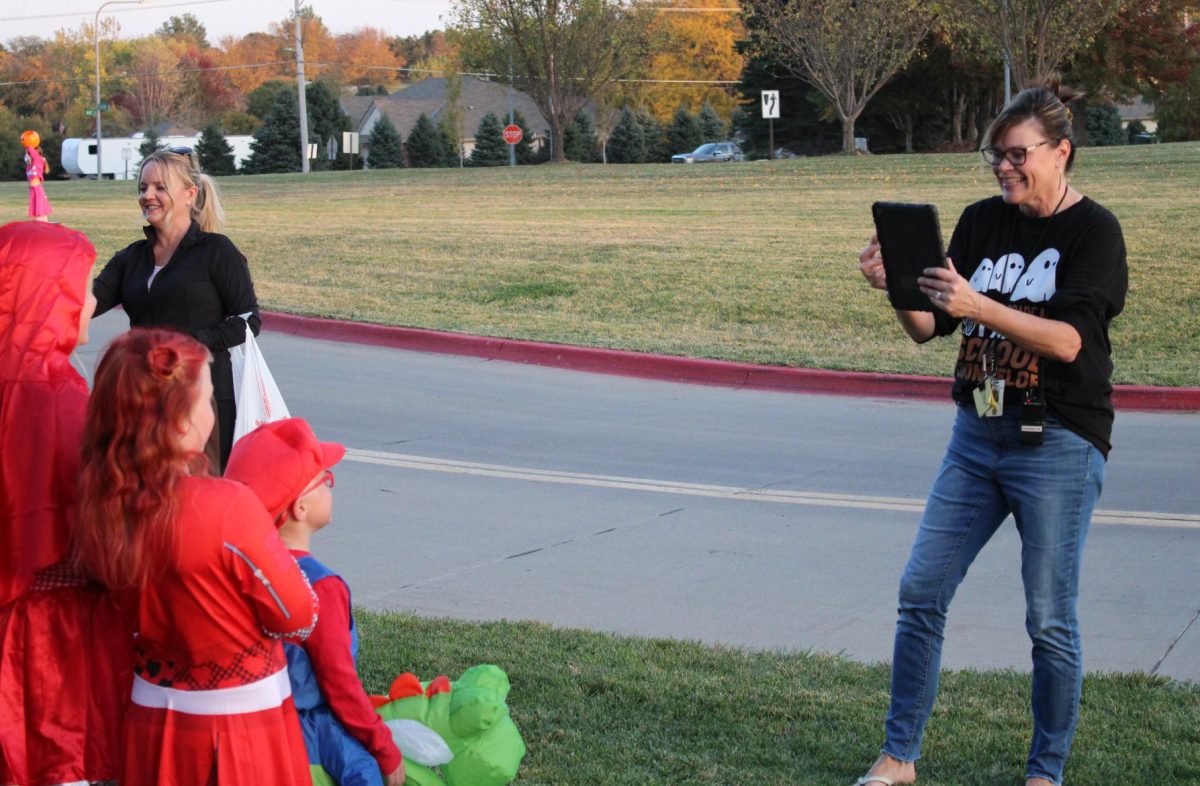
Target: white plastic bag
254 389
419 743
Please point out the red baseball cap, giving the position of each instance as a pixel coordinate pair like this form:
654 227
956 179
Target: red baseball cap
279 460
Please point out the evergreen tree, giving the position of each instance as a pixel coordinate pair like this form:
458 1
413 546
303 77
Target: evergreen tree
325 119
1104 126
1133 130
449 145
655 136
627 145
216 154
276 145
387 149
738 121
150 142
425 146
525 154
261 99
712 128
490 147
579 141
685 133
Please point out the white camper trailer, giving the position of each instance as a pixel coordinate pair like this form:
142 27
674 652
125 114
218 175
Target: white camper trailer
122 157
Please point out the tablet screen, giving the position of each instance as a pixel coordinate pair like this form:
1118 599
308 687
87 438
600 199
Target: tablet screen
910 240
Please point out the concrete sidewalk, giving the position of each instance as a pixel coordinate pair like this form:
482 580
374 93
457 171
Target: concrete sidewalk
670 368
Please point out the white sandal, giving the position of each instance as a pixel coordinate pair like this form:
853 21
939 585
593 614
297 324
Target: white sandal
864 780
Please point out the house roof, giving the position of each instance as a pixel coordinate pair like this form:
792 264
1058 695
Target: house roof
428 97
357 108
1138 110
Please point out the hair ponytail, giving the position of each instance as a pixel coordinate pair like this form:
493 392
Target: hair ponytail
207 210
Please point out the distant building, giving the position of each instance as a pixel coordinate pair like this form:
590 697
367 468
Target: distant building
1138 110
428 97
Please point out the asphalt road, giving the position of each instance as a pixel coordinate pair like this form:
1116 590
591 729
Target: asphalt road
487 490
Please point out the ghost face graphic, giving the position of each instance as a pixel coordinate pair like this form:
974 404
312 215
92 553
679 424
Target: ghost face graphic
981 276
1005 273
1038 285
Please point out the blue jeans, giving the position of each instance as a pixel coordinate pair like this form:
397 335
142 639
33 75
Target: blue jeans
1050 490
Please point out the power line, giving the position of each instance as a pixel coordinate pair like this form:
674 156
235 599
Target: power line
326 64
85 14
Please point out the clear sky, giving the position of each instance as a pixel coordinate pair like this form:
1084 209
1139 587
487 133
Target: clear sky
222 17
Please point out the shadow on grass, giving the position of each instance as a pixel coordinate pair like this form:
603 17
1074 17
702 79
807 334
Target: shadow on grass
601 709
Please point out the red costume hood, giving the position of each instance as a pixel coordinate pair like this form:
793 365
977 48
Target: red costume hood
44 272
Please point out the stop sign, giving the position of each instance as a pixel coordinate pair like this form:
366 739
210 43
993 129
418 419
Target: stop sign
512 134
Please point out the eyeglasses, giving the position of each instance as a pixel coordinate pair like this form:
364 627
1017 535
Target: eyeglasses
1015 155
181 151
327 480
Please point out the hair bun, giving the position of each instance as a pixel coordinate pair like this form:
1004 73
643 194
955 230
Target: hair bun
1064 93
163 361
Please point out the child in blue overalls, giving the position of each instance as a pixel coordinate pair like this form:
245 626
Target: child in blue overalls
291 473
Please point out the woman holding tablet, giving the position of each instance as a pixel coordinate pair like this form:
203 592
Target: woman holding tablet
1033 280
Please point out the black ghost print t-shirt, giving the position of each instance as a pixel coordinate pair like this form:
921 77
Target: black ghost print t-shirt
1069 267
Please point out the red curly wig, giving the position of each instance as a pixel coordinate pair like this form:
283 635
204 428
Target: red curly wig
145 387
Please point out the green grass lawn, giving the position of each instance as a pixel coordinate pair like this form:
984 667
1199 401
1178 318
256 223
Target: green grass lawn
752 262
601 709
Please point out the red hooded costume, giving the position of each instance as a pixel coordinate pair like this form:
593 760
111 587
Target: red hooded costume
65 654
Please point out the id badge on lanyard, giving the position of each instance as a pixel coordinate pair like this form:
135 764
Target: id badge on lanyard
989 396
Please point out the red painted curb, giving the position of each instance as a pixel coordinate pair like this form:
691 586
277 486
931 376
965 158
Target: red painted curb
671 368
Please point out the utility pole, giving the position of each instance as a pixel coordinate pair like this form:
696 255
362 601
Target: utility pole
99 106
512 149
300 94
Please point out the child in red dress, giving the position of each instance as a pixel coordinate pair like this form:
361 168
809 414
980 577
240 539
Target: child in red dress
289 470
216 589
65 645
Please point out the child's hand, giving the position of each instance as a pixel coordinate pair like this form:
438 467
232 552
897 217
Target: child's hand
396 778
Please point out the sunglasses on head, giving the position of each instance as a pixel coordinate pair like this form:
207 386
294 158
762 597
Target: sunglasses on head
182 151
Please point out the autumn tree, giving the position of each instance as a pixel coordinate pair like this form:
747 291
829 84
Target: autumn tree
1035 36
254 49
1145 48
846 49
365 57
155 88
561 51
320 45
691 40
419 52
184 28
